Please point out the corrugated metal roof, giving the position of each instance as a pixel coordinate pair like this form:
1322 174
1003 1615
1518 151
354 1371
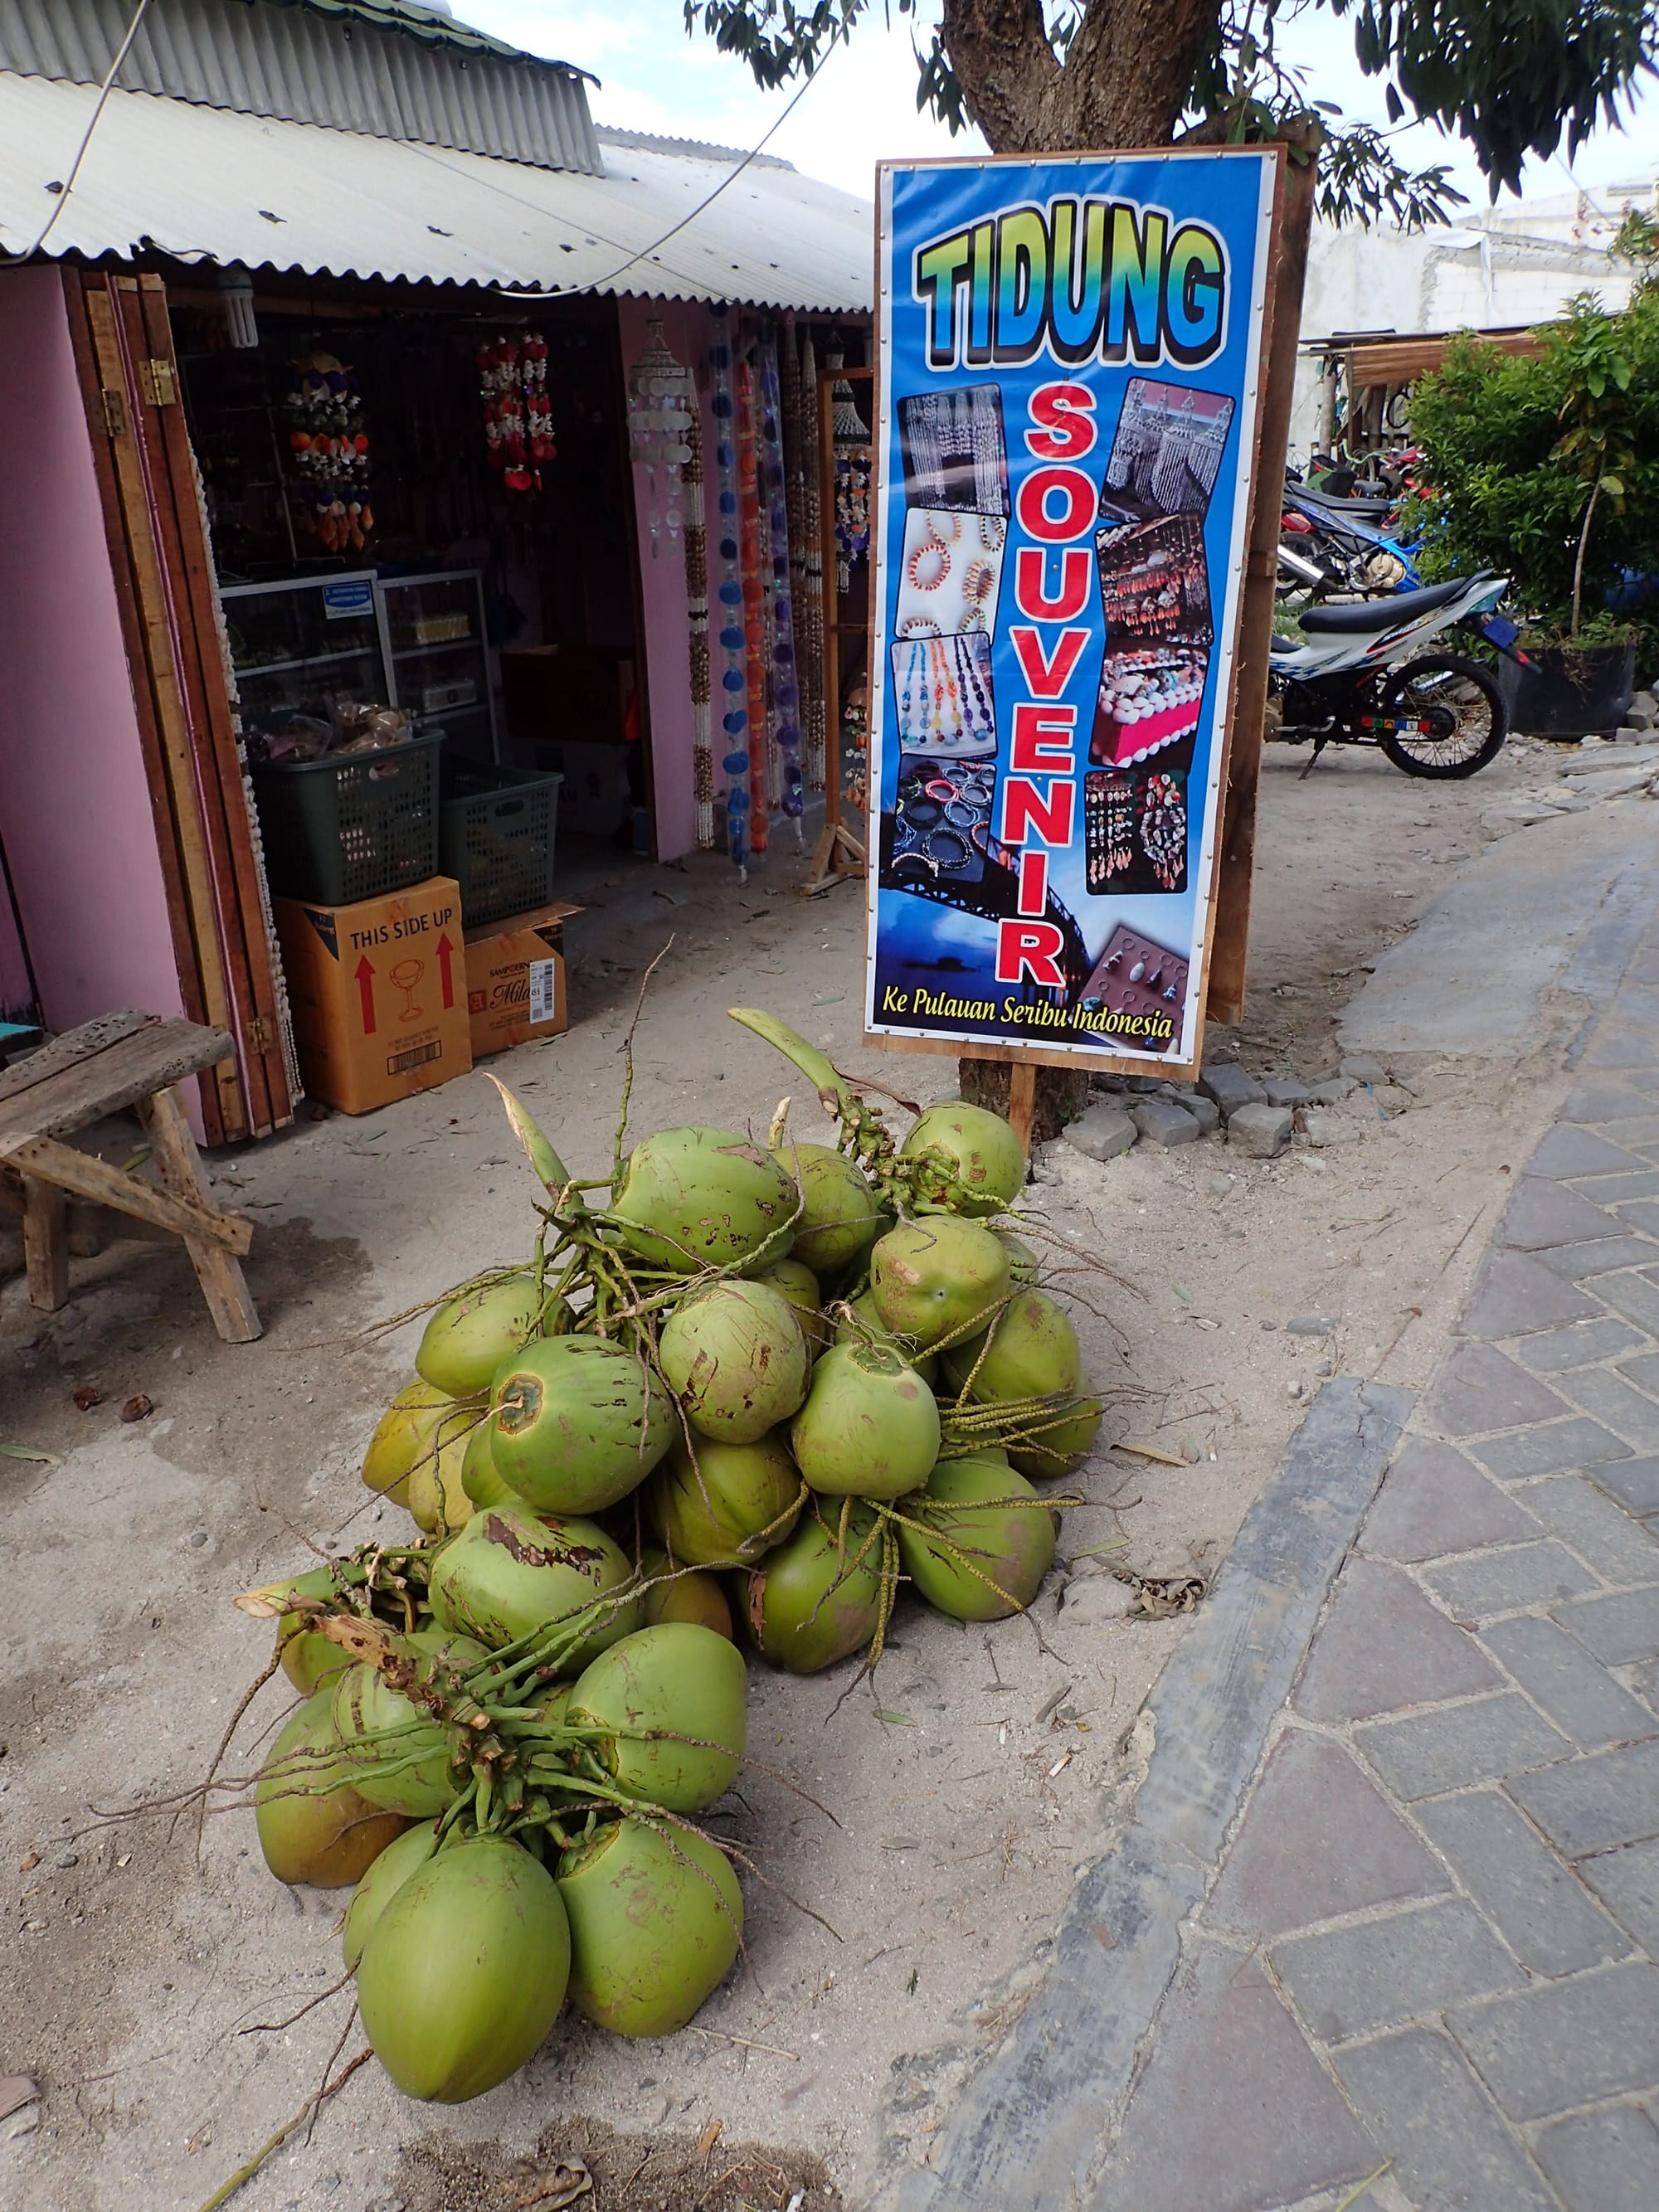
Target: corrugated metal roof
337 62
239 189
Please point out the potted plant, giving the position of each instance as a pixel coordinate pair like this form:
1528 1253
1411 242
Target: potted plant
1545 467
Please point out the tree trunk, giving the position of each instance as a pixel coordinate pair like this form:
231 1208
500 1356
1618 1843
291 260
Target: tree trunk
1061 1093
1124 83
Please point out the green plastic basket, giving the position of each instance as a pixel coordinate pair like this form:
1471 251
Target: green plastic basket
353 826
495 836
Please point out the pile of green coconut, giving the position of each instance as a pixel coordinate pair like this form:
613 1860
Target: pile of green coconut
742 1394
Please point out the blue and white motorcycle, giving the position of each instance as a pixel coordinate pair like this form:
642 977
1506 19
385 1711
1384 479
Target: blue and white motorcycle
1360 677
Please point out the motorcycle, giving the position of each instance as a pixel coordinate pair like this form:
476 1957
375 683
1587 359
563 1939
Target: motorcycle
1359 678
1351 549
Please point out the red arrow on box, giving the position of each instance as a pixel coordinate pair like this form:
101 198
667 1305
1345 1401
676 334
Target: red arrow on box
445 949
365 976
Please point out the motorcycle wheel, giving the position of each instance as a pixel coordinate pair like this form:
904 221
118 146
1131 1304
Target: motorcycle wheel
1460 700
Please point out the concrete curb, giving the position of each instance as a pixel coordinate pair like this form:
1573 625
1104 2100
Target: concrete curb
1029 2133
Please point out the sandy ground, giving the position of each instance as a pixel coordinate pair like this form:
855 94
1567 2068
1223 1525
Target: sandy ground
135 1976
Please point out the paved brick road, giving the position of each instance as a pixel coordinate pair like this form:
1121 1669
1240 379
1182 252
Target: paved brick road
1433 1938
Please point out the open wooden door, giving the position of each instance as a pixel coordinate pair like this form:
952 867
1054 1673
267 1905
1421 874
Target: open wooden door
204 823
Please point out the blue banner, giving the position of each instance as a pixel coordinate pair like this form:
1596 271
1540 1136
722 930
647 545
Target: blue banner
1070 357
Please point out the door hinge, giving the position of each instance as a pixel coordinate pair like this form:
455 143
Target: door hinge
259 1033
158 383
115 412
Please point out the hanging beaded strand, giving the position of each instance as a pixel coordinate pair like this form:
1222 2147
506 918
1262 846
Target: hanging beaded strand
749 530
813 560
696 619
786 684
734 719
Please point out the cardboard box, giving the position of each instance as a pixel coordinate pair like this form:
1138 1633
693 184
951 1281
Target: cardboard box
515 978
378 993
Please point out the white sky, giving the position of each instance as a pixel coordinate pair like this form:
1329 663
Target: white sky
862 107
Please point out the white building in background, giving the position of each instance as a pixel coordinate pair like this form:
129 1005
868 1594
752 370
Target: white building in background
1500 268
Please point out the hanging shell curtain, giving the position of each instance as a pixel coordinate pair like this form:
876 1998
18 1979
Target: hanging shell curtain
696 617
812 566
662 406
785 724
734 720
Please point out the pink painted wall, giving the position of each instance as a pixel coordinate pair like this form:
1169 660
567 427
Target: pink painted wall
667 663
75 812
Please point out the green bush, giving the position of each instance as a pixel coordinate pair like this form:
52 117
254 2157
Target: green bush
1514 447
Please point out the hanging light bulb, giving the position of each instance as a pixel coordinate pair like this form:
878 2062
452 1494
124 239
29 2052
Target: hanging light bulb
236 290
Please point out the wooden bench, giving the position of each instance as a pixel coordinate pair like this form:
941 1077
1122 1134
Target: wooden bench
123 1060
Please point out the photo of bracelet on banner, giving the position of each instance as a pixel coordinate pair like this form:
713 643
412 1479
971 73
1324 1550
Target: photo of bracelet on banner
1068 350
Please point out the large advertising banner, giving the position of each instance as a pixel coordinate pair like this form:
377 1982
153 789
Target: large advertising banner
1070 356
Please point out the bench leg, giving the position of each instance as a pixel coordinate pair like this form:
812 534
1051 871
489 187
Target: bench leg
218 1271
46 1244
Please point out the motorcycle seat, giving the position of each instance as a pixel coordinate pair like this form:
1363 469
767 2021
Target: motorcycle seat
1371 615
1362 506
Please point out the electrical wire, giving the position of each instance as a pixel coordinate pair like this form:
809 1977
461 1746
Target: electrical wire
12 260
647 253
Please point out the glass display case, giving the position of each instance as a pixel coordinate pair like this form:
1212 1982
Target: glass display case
439 656
307 646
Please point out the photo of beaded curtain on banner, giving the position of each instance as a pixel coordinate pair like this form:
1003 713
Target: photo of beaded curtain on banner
1067 388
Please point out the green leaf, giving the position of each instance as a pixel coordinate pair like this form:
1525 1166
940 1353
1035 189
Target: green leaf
541 1155
28 1451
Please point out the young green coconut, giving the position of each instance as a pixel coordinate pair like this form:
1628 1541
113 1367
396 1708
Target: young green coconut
690 1198
840 1217
794 1280
815 1600
1031 1351
313 1827
984 1552
307 1659
691 1594
465 1971
481 1479
403 1436
982 1152
470 1334
669 1705
860 1323
436 1493
870 1427
509 1576
728 1506
397 1755
932 1279
400 1859
577 1422
735 1356
656 1920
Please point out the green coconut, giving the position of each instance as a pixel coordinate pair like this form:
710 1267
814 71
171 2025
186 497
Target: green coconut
578 1422
841 1219
813 1602
690 1198
401 1438
481 1479
509 1575
307 1659
465 1971
398 1755
794 1280
736 1358
933 1277
1031 1351
991 1542
470 1336
682 1688
979 1146
437 1494
656 1920
674 1594
313 1826
860 1323
407 1855
869 1425
730 1504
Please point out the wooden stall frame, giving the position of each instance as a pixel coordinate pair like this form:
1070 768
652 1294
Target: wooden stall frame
839 856
1220 983
146 473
